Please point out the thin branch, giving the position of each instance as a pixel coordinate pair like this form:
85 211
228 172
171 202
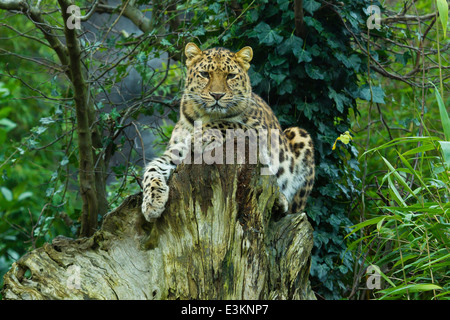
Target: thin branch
34 14
23 34
91 11
41 61
407 18
43 95
130 12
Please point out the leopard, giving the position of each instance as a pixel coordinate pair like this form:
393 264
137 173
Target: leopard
218 95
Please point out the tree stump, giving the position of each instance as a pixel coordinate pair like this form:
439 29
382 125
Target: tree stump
219 238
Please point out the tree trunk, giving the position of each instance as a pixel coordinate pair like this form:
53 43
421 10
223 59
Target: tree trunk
218 239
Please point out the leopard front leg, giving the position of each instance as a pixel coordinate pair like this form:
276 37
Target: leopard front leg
158 171
156 190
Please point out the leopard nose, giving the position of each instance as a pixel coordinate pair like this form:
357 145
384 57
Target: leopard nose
217 95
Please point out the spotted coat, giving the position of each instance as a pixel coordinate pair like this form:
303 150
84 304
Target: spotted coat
219 95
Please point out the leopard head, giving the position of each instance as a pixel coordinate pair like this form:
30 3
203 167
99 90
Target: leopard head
217 81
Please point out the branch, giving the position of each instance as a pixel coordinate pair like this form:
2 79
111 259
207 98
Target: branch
407 18
34 14
402 17
298 15
17 5
84 120
91 11
134 14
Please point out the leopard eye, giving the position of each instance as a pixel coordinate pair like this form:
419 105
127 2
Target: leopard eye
231 76
204 74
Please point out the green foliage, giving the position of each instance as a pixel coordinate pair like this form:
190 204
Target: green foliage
403 210
33 184
412 228
442 6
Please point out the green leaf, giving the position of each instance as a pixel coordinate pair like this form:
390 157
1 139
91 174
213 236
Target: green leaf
4 92
394 193
292 44
314 72
401 140
403 58
399 178
313 23
7 124
400 290
377 94
414 172
283 4
443 14
25 195
39 130
445 146
444 115
276 60
311 6
266 35
339 98
421 149
304 56
46 120
64 161
4 111
7 193
365 224
352 61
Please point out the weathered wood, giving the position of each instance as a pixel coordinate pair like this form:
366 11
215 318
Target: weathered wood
217 239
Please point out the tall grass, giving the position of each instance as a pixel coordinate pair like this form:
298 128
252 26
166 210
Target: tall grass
408 239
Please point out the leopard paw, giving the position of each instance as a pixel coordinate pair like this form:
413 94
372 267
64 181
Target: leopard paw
155 198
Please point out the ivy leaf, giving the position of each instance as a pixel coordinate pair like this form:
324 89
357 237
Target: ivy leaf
377 93
350 62
287 87
308 109
339 98
255 77
402 58
313 23
276 60
252 16
314 72
283 5
266 35
304 56
292 44
278 77
311 6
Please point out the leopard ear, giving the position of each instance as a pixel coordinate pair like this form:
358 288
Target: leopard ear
191 51
245 55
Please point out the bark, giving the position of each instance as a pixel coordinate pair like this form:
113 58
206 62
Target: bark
91 186
298 17
219 238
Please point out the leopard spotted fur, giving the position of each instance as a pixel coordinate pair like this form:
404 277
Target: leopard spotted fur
218 93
